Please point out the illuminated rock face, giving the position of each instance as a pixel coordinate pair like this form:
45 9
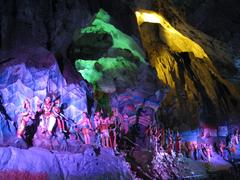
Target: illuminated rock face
114 63
198 92
36 163
51 25
112 56
33 73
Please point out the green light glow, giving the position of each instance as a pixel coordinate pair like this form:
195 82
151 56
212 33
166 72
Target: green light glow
120 40
108 65
118 63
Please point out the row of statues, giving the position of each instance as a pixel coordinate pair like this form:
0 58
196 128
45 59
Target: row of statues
49 113
51 119
162 140
108 130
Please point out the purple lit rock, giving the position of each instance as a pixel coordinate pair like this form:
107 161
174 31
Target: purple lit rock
56 165
33 73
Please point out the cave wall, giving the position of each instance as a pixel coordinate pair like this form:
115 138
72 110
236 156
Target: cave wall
51 24
202 86
213 17
187 63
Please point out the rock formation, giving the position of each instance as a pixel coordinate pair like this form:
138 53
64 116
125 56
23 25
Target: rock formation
186 66
36 163
33 73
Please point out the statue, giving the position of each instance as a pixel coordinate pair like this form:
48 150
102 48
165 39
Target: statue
178 144
86 126
56 111
104 124
27 116
113 129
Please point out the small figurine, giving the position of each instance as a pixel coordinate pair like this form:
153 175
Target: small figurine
188 149
236 134
56 111
46 114
27 116
229 145
170 144
124 124
233 144
158 136
112 129
96 119
104 124
178 144
208 152
221 148
86 125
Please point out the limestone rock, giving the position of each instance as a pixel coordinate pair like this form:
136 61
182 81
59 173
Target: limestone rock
36 162
21 80
190 74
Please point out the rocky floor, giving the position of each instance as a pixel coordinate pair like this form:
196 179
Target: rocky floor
161 165
40 163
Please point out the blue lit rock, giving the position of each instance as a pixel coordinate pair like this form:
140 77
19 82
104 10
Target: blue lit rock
88 164
34 73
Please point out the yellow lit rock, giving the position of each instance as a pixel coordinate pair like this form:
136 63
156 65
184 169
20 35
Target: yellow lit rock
198 92
173 38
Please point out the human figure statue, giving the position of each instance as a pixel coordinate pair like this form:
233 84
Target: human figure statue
124 124
46 111
221 148
112 129
155 137
56 111
170 144
104 124
233 144
208 152
178 143
86 126
236 134
49 116
26 116
229 145
158 137
97 117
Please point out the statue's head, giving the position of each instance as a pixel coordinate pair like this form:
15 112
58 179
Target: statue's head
26 104
47 99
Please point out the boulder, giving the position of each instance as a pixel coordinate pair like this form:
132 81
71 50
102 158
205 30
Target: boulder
33 73
39 163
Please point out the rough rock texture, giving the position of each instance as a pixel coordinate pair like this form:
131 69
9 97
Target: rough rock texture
40 163
169 167
51 24
213 17
115 64
189 71
7 130
33 73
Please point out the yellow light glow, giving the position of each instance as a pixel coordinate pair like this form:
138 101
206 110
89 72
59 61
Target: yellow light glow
173 38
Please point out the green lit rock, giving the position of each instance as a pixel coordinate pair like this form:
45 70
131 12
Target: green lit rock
102 39
108 73
114 64
106 57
